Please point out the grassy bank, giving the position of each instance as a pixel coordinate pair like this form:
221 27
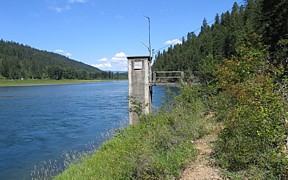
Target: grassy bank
35 82
159 147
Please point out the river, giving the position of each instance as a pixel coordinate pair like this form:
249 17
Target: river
39 123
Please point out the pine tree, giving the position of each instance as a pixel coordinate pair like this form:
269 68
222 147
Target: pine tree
275 21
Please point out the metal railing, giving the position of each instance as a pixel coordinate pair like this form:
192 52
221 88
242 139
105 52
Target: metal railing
167 77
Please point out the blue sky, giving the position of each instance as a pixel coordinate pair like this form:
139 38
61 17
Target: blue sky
103 32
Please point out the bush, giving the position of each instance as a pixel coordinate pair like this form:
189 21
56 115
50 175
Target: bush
254 135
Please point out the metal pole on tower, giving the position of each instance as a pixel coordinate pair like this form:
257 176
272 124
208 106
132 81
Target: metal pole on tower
149 26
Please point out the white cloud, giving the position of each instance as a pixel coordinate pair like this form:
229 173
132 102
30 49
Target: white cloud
68 54
173 42
103 60
77 1
59 51
60 9
117 63
63 52
63 6
121 56
102 66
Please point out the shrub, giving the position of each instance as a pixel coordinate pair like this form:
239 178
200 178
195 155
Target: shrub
253 136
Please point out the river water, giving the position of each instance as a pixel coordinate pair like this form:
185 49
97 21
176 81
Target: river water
39 123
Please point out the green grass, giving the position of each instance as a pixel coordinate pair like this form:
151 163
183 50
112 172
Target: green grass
31 82
159 147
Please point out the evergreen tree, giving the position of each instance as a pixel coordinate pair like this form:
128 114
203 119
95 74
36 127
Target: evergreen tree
275 21
19 61
264 18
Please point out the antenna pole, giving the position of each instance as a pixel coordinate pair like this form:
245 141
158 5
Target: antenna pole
150 50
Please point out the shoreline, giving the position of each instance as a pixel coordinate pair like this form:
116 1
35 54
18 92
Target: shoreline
43 82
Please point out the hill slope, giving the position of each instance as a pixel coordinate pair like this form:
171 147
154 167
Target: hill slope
203 52
241 61
20 61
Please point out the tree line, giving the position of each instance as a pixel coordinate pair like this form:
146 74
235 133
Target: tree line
203 52
19 61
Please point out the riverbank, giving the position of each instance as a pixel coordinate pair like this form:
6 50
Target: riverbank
37 82
159 147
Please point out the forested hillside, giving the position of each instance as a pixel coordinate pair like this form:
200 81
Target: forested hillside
241 61
18 61
252 22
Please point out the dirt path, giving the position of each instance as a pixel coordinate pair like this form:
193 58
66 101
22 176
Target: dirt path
203 167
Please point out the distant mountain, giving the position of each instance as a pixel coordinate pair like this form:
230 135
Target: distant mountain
22 61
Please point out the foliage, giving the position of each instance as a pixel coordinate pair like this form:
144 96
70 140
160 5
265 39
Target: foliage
159 147
18 61
136 106
274 20
200 53
241 62
254 134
